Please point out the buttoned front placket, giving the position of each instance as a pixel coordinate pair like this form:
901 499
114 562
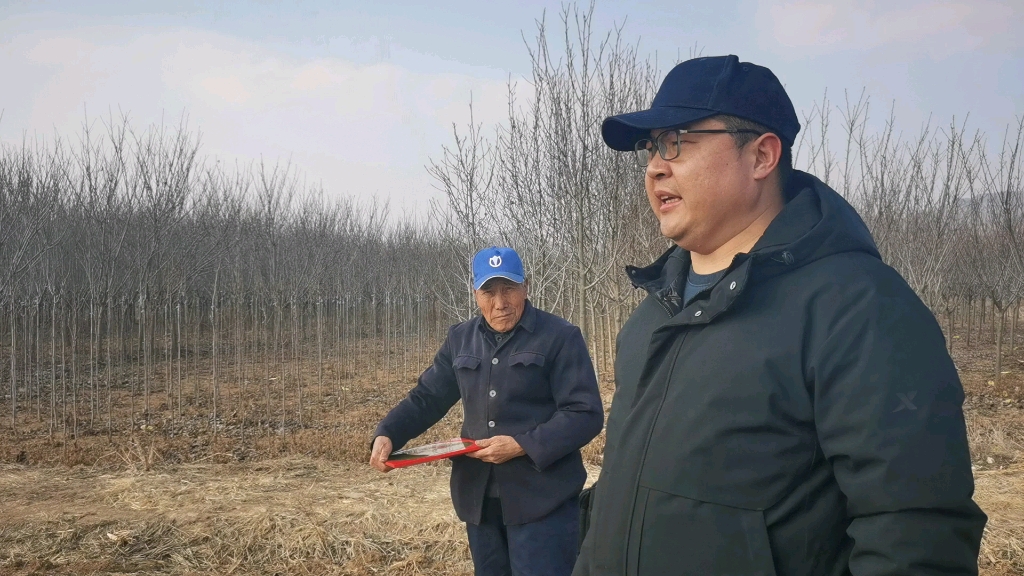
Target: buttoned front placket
500 339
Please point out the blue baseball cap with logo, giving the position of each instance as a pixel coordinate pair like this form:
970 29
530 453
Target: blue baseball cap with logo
703 87
496 262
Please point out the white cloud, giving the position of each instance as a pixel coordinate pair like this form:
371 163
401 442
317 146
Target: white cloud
935 28
360 129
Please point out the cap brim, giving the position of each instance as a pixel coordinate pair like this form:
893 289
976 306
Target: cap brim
623 131
506 275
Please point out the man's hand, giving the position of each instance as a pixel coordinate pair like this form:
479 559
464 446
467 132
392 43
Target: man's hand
497 450
379 454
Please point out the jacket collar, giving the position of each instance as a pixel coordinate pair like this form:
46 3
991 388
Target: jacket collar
662 272
529 319
815 222
772 254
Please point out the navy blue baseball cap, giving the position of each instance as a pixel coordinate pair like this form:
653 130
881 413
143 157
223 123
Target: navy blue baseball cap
495 262
703 87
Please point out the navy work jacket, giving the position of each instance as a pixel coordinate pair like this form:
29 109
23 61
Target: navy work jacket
537 386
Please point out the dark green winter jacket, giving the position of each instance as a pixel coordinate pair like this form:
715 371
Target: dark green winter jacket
800 418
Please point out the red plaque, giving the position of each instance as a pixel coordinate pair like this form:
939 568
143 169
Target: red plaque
430 452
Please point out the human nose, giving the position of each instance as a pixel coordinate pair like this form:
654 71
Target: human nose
657 167
500 301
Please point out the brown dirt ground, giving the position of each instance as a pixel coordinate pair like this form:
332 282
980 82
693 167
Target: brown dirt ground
178 499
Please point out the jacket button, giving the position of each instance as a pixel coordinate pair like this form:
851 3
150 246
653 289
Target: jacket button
697 313
732 286
494 360
493 393
490 424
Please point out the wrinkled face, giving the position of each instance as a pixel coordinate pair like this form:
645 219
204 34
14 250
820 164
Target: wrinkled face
707 195
502 302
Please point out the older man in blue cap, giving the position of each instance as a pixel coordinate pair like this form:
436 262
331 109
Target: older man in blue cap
530 398
784 402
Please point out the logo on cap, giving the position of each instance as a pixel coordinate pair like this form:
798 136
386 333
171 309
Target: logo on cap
496 262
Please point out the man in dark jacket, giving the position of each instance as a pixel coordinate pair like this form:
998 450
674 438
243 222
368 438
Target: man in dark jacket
784 402
530 398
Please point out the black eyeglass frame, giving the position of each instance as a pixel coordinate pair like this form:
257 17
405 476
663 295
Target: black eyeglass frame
656 142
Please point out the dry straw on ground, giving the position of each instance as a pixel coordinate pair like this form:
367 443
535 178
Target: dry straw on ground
305 503
288 516
300 515
997 444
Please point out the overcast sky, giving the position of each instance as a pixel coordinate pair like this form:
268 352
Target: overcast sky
335 85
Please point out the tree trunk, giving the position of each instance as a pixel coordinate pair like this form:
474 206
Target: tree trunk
110 364
145 343
168 355
124 374
296 319
137 349
268 360
320 351
588 311
949 323
981 320
14 368
39 359
999 339
281 369
74 370
93 330
53 364
991 315
63 369
969 324
240 351
1013 326
177 345
213 351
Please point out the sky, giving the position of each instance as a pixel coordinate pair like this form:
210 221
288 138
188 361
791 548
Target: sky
359 97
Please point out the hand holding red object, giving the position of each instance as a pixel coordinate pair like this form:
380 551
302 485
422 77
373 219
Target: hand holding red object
379 455
498 450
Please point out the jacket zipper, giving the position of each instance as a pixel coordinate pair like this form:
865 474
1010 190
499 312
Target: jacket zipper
643 462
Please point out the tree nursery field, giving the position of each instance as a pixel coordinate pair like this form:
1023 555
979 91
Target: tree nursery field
193 356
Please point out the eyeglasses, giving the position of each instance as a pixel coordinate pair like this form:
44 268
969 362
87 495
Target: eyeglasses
667 143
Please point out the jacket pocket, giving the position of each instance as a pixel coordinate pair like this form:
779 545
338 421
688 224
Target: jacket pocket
467 362
681 536
526 359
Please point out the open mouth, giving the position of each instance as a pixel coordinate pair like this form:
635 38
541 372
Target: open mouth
666 200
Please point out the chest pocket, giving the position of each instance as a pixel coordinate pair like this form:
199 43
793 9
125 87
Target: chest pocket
526 359
466 362
466 373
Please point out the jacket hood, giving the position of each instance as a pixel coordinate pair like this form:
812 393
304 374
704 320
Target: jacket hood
814 223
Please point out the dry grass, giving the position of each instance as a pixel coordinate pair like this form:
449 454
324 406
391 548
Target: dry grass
997 445
294 515
178 498
995 429
999 493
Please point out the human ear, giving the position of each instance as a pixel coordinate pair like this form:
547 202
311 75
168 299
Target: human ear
767 152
